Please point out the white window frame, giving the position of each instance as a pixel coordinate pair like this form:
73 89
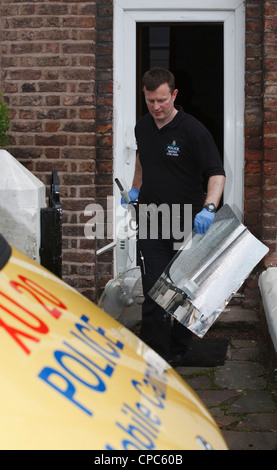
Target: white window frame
232 14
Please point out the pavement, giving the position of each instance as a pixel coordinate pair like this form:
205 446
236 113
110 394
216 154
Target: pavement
241 395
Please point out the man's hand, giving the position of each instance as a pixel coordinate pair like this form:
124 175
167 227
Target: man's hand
133 195
203 220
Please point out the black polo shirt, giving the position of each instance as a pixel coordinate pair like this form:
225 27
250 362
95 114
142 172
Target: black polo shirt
175 160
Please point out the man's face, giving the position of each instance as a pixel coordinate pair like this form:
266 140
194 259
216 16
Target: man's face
160 104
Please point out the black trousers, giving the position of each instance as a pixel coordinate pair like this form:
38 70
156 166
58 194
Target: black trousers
165 336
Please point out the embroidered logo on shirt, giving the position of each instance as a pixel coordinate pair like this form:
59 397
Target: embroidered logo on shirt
172 150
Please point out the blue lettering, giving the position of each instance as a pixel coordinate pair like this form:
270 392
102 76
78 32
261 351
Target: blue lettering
75 361
94 346
140 418
69 389
102 332
111 350
107 371
145 411
99 386
137 386
139 436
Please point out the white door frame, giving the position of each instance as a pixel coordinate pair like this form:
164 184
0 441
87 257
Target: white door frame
126 14
232 14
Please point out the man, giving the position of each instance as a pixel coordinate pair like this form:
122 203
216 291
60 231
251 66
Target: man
175 153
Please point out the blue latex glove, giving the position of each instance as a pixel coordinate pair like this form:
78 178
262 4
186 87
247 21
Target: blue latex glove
203 220
133 195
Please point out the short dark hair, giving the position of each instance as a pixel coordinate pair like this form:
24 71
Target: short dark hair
157 76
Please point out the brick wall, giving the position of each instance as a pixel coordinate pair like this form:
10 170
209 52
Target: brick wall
104 149
260 133
253 190
56 75
269 168
253 117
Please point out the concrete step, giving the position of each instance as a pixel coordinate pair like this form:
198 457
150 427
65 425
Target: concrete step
235 316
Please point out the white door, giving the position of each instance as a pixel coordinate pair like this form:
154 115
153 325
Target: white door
231 13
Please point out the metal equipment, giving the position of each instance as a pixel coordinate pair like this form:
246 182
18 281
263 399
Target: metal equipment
207 271
51 229
122 297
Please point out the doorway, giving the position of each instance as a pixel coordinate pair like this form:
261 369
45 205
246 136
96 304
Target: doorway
220 22
194 53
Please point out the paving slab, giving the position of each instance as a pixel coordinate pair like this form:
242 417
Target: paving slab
235 314
201 382
253 400
217 397
250 440
240 375
238 394
258 422
242 354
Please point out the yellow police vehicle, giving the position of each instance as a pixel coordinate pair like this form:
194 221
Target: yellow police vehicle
73 378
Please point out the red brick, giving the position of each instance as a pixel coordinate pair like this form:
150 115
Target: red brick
270 168
51 126
253 155
269 155
270 128
53 141
253 167
270 142
270 260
